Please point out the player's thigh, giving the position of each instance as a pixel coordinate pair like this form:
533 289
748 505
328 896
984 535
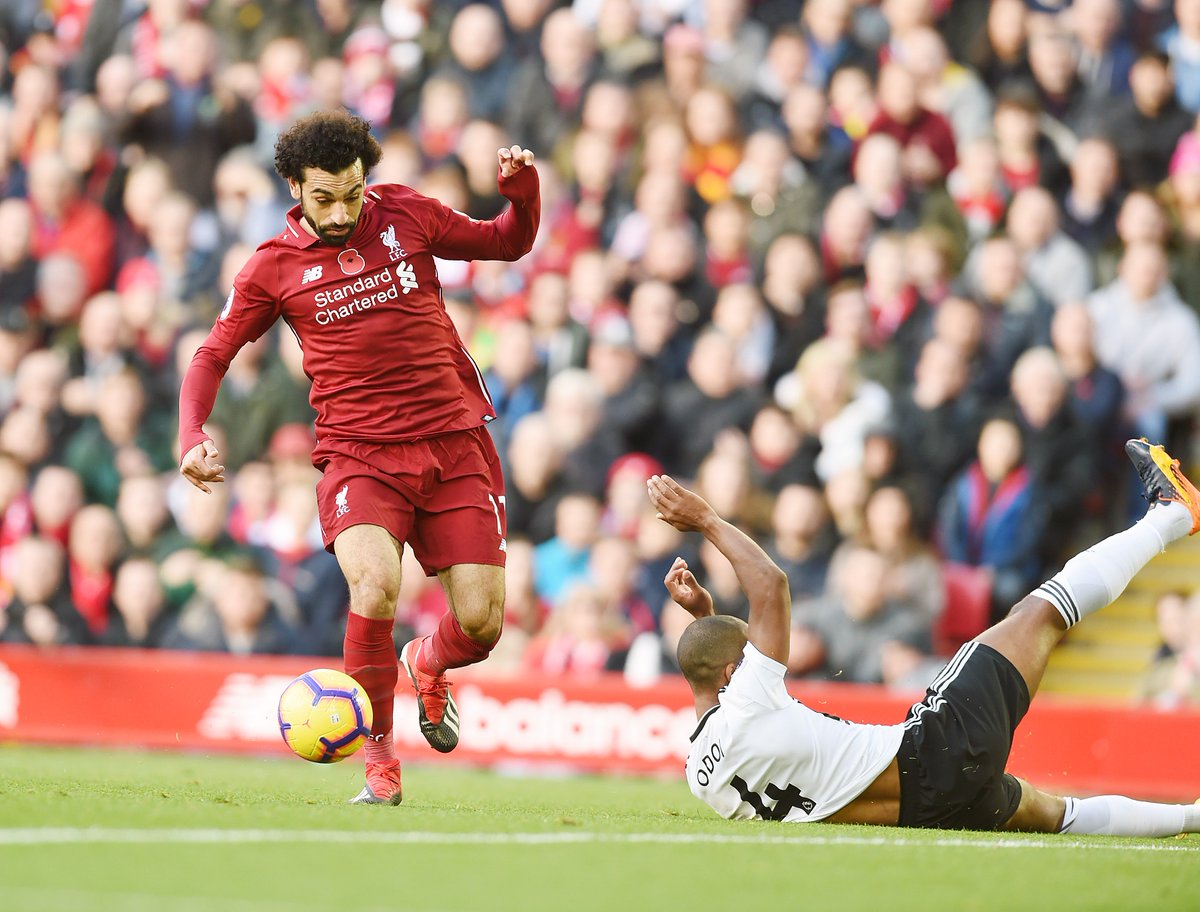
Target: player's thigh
1038 812
1026 637
369 556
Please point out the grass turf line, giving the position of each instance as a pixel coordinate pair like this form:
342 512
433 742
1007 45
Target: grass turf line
445 849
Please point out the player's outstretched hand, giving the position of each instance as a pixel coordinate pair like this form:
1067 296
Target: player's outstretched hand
202 464
675 504
513 159
686 591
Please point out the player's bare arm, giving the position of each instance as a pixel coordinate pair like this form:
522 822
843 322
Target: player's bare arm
765 585
202 466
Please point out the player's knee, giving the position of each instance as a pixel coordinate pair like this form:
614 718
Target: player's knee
483 625
374 596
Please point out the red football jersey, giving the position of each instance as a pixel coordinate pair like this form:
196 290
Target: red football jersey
385 361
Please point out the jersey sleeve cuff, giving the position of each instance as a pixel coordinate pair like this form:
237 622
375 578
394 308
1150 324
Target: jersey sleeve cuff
519 188
752 657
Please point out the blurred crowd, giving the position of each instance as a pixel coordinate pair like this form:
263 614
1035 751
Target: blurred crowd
889 282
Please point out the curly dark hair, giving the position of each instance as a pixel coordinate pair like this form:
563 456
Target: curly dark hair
330 140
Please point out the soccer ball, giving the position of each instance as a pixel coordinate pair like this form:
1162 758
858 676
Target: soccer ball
324 716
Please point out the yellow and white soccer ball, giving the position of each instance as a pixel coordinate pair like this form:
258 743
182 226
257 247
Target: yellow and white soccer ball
324 715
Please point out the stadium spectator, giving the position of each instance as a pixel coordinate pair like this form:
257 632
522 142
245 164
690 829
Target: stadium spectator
231 611
991 515
1174 678
40 611
139 618
1145 335
1057 267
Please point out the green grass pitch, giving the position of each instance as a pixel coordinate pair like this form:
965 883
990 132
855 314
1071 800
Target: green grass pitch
99 831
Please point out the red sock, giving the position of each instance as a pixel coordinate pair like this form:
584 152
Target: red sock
370 658
450 647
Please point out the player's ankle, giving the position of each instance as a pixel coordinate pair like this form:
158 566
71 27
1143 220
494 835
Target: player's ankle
379 749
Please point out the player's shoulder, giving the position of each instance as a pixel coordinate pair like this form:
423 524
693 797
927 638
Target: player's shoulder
398 197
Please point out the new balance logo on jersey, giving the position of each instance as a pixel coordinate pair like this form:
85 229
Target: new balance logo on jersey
395 251
312 274
340 500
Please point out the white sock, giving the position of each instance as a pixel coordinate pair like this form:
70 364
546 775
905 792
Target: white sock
1091 580
1116 815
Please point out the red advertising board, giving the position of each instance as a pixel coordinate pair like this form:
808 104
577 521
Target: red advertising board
207 702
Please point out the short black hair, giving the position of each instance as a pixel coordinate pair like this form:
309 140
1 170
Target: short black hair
329 140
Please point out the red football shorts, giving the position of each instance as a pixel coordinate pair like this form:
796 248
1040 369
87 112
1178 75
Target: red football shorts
443 496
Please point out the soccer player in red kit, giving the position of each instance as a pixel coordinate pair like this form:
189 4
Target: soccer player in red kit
401 407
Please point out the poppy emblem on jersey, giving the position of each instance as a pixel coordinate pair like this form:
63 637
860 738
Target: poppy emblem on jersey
340 500
395 251
351 261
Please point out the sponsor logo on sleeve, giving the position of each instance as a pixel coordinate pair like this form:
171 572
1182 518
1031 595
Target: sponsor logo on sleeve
228 306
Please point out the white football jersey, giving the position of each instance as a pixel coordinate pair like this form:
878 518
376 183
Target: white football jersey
762 753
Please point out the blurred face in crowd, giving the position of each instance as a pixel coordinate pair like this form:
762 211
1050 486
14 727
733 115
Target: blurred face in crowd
652 316
52 186
787 58
1032 218
612 359
805 111
16 232
573 404
738 311
1071 333
1143 270
476 37
1150 80
38 569
959 321
40 378
1016 127
1095 22
861 581
999 449
120 406
1052 59
1000 272
941 373
613 566
1006 27
189 52
791 272
61 288
138 595
724 481
898 93
1094 169
577 521
241 601
710 117
877 170
57 493
1141 218
171 225
848 221
95 539
24 434
567 47
889 519
534 454
773 437
608 109
331 203
800 512
204 518
827 20
142 508
100 325
515 358
114 81
713 365
1187 14
1039 386
148 183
